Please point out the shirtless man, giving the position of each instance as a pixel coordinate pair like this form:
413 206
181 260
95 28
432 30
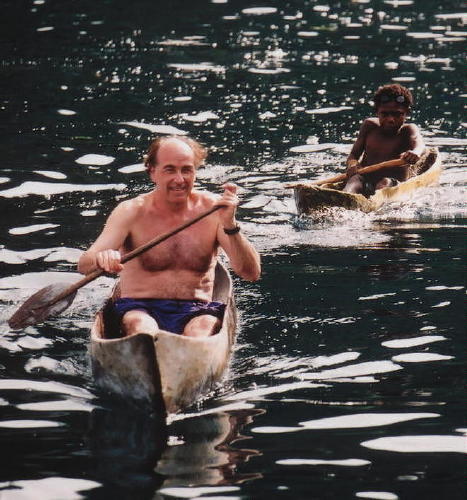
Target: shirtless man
170 286
383 138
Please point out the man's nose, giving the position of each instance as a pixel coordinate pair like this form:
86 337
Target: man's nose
179 177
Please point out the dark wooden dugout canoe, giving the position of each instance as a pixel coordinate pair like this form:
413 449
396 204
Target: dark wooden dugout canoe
165 371
310 198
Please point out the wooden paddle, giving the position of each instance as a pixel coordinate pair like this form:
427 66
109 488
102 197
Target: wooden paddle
54 299
364 170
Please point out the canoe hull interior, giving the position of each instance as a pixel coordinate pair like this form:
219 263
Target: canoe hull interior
162 370
310 198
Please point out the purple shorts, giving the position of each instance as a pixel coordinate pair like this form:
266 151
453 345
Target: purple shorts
171 315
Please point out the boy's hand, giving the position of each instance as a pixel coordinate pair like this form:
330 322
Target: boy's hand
352 168
410 157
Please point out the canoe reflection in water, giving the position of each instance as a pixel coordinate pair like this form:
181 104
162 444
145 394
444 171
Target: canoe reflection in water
142 454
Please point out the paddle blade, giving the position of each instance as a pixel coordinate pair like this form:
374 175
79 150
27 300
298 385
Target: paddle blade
41 305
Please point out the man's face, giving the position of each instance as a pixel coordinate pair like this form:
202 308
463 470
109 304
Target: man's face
174 172
391 116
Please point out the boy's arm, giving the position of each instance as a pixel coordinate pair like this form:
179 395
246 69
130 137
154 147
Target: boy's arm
415 143
358 148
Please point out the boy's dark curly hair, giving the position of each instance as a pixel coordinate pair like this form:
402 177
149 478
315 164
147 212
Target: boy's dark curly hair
393 92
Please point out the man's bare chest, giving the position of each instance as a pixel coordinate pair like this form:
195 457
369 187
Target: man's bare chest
192 249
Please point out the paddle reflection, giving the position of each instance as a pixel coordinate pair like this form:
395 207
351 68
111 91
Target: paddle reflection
134 451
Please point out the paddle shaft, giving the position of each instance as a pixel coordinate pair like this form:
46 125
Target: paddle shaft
130 255
365 170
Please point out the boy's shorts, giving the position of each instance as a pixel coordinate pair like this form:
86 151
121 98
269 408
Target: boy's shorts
369 186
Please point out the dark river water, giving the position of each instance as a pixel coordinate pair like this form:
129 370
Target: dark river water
348 376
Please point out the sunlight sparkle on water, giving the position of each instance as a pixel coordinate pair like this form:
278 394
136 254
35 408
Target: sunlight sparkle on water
66 112
359 420
356 370
412 342
47 189
268 71
377 495
49 255
324 111
420 357
95 159
192 492
419 444
307 34
347 462
48 364
31 229
203 116
53 387
51 488
28 424
311 148
60 405
259 11
131 169
258 394
156 129
355 421
50 174
195 67
33 343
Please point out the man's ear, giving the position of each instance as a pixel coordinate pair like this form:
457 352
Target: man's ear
150 170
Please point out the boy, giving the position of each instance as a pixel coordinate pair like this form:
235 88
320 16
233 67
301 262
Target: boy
383 138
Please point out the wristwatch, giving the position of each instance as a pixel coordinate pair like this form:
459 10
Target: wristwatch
233 230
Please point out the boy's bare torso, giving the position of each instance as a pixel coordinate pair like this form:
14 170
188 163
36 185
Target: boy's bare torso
380 146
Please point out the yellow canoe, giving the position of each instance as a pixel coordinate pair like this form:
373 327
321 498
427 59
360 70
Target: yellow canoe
310 198
164 371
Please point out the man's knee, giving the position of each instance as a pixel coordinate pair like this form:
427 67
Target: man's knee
137 321
202 326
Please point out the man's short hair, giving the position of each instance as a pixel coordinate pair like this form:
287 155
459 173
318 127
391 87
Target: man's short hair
393 92
150 158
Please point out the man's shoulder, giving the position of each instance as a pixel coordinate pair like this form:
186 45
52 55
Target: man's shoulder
205 198
130 207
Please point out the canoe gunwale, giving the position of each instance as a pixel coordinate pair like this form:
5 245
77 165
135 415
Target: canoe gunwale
164 370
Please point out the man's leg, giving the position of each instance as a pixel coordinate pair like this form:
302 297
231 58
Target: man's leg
202 326
138 321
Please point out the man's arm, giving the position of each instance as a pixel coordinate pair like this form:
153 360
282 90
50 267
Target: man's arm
104 252
415 142
243 257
